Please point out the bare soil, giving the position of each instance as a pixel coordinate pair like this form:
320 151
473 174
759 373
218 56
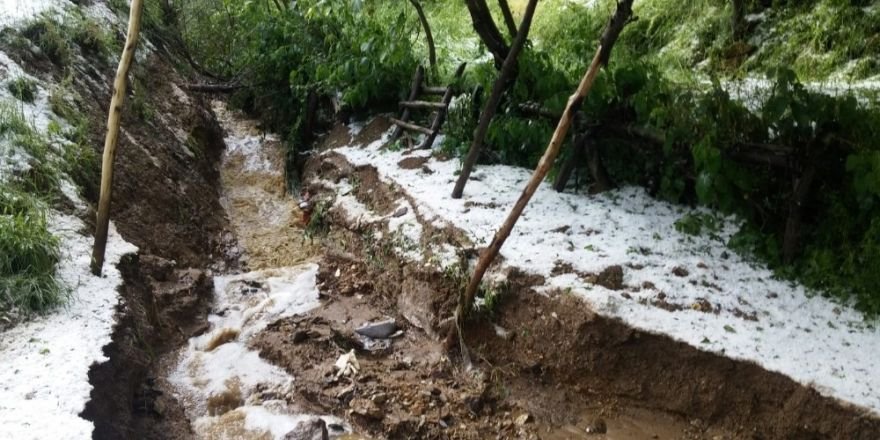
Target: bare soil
546 366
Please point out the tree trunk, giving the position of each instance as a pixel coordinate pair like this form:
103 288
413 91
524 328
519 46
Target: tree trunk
791 239
498 89
738 19
508 17
110 141
609 37
486 28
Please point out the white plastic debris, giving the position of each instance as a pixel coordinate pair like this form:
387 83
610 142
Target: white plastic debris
347 364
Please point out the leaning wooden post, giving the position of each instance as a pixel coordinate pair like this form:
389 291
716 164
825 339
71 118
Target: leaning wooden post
113 117
612 31
501 84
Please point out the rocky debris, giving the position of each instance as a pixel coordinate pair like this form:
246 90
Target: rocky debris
611 278
378 329
366 408
311 429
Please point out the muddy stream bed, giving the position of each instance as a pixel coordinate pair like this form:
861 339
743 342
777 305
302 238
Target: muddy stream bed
266 363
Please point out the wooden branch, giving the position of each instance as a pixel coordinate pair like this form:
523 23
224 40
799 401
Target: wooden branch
791 238
434 90
488 32
411 127
112 137
508 18
432 52
498 88
423 104
615 26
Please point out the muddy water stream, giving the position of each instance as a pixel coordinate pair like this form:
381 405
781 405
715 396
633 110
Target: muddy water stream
227 390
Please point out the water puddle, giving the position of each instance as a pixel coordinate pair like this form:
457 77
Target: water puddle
226 389
634 424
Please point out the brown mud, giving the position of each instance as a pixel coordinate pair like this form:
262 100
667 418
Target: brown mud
546 366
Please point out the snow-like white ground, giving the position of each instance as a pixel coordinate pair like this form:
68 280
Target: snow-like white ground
44 382
220 362
13 11
723 303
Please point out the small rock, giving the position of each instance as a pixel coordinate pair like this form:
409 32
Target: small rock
680 271
400 212
596 426
611 278
311 429
378 330
522 419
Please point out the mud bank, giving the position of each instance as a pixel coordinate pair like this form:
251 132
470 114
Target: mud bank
546 364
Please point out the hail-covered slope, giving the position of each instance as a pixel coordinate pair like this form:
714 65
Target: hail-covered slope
44 382
691 288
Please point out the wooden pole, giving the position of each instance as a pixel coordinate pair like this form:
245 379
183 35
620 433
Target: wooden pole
612 31
110 141
501 84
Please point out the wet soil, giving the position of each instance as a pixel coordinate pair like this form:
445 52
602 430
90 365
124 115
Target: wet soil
546 366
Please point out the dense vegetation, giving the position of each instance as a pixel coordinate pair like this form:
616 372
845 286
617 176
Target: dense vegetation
798 161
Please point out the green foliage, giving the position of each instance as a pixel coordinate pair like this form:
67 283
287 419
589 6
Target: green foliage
23 89
28 255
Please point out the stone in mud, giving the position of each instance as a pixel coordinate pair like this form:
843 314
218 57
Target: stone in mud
415 303
611 278
311 429
378 330
596 426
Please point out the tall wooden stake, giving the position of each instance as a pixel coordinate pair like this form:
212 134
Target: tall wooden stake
501 84
110 141
612 31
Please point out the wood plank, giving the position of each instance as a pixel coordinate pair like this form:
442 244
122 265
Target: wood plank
411 127
423 104
434 90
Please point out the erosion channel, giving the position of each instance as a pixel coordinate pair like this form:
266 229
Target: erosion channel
271 349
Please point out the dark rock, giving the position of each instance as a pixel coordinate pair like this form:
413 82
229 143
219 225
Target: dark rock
378 330
680 271
611 278
311 429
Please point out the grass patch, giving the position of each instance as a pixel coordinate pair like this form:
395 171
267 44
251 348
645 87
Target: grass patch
23 89
47 33
28 255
